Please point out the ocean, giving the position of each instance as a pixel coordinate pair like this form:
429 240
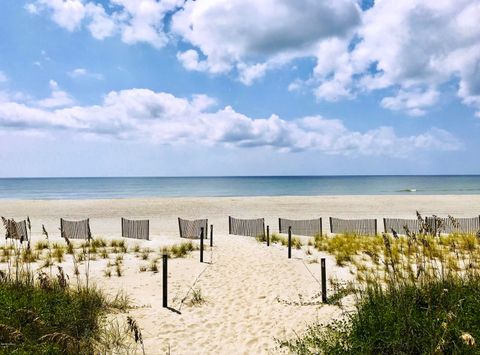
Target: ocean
124 187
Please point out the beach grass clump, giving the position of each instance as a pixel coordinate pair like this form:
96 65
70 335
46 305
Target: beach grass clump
145 253
153 266
178 250
182 249
196 298
119 265
58 253
107 272
104 253
41 245
98 243
283 240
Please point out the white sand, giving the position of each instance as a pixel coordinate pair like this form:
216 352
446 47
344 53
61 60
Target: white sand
242 279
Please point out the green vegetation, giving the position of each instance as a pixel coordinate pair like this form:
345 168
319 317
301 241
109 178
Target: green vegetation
178 250
196 298
417 294
46 318
283 240
41 313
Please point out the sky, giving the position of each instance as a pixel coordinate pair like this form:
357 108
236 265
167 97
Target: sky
239 87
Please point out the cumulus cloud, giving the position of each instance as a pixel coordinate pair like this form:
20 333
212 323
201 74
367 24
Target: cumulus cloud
142 114
413 101
412 46
190 60
58 97
255 35
66 13
137 21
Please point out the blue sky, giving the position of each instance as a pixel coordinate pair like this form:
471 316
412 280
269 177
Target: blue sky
217 87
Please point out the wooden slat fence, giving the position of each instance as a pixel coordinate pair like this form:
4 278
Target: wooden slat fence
463 225
307 227
136 229
399 224
246 227
17 230
357 226
75 229
192 228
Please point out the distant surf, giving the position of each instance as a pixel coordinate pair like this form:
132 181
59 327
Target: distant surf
126 187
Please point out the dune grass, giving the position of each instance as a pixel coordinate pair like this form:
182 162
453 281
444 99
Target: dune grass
48 318
179 250
42 313
417 294
280 239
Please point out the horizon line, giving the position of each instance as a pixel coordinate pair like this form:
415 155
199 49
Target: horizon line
232 176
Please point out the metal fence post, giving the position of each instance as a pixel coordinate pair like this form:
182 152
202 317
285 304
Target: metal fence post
324 281
165 279
211 235
290 242
201 244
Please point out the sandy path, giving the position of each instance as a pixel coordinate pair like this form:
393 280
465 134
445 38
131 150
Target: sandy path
240 282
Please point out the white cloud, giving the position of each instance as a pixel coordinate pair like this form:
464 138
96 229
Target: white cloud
407 44
142 21
84 73
66 13
400 45
137 21
58 97
413 44
255 36
250 73
190 60
413 101
101 25
141 114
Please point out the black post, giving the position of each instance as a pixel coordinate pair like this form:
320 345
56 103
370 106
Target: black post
289 242
201 244
324 281
165 279
211 235
268 236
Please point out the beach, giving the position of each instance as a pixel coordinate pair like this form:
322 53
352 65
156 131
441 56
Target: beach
251 292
